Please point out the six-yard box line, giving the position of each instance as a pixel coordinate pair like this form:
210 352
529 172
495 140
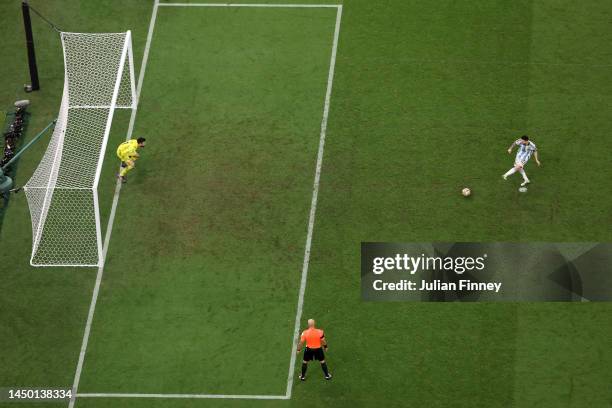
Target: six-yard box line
311 217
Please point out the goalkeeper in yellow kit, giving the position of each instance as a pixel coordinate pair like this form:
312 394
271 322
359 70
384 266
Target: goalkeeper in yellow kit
128 153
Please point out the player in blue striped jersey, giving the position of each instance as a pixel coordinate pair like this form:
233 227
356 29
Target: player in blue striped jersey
526 148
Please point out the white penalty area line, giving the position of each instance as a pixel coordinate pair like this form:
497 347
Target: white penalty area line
313 203
109 227
270 5
181 396
311 219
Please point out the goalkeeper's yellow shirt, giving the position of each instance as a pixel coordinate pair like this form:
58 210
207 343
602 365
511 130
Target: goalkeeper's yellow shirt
126 150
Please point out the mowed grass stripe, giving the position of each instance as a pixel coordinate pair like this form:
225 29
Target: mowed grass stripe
203 269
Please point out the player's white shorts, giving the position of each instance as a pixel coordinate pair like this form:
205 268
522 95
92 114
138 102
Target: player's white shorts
520 163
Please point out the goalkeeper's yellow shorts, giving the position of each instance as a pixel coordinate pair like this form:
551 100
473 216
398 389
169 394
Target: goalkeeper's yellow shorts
125 157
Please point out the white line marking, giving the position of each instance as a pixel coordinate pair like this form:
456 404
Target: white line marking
313 204
63 188
109 228
308 237
249 5
186 396
98 107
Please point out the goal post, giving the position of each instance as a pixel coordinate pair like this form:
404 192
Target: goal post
62 194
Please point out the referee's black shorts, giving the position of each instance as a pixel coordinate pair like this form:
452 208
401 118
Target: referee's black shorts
314 354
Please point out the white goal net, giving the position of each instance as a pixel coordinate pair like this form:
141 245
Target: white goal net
63 192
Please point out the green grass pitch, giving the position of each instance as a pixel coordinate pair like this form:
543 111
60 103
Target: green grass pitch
201 283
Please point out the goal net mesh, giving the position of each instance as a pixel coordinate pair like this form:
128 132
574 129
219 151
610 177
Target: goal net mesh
62 194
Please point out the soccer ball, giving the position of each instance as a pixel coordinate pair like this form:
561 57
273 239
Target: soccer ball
523 189
466 192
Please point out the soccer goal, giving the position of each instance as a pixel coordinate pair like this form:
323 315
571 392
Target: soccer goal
63 192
